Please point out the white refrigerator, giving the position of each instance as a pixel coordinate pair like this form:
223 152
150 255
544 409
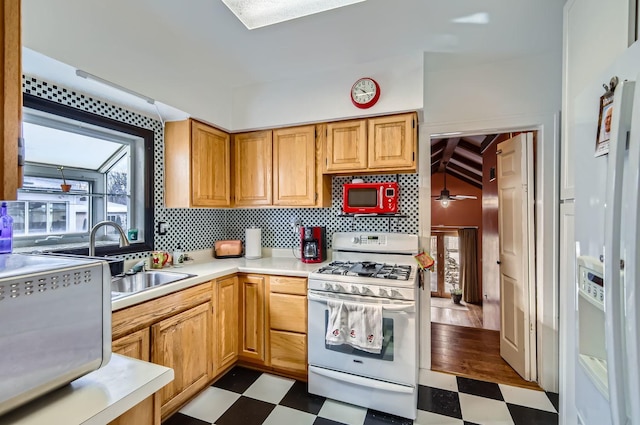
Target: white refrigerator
607 234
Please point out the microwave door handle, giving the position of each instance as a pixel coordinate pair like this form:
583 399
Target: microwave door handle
401 308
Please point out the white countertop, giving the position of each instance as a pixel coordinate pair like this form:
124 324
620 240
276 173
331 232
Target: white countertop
96 398
207 268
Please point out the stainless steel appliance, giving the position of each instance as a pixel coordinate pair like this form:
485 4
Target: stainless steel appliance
369 269
56 323
313 247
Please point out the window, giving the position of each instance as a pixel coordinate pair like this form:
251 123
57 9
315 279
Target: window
108 166
446 271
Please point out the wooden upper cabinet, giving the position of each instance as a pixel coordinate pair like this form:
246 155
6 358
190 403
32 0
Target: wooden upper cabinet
346 146
382 144
11 111
392 142
294 166
253 168
197 165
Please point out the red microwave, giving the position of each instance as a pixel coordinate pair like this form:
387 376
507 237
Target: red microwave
370 198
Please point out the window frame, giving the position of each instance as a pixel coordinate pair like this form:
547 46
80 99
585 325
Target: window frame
37 103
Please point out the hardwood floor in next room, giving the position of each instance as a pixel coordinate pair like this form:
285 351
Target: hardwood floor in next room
473 353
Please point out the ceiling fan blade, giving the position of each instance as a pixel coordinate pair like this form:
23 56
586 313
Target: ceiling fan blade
460 197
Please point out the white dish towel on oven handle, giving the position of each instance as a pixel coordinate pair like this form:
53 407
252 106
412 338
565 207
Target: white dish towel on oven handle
337 323
365 326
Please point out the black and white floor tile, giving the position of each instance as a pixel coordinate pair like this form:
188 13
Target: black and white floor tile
248 397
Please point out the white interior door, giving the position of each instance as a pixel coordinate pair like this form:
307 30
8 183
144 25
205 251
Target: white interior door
515 225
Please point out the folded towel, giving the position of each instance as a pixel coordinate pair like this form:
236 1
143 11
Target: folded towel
337 324
365 327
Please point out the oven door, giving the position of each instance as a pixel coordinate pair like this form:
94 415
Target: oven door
397 360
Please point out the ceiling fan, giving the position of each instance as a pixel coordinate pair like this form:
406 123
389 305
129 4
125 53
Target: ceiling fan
445 197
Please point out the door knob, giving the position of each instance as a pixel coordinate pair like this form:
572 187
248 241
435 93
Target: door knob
498 262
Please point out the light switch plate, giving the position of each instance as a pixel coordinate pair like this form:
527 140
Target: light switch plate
163 227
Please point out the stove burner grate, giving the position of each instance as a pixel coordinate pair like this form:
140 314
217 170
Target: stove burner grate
367 269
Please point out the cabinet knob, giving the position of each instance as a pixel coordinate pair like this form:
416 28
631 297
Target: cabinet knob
498 262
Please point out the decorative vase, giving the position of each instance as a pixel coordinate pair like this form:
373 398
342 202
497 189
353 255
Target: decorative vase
456 298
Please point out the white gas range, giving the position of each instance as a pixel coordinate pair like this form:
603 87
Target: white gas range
368 269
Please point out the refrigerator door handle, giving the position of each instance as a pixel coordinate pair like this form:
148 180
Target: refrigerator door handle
631 253
613 305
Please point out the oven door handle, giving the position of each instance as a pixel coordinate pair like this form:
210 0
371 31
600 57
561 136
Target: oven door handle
401 308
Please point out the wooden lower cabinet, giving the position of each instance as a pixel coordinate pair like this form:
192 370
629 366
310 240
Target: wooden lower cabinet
288 351
147 412
227 322
252 317
183 342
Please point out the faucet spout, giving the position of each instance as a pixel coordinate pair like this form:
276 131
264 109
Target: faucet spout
92 237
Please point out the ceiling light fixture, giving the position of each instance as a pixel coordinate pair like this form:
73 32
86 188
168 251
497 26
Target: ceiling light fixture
481 18
85 74
260 13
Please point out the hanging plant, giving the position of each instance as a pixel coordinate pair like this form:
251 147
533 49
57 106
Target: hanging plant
64 186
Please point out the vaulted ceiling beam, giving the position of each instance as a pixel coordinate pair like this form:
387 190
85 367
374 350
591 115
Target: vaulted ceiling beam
448 151
465 175
488 141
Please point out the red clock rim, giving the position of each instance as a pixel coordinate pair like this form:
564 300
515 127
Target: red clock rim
370 103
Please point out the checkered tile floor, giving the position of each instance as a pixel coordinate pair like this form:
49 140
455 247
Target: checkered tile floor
248 397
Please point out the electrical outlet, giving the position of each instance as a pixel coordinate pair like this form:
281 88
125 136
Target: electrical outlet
163 227
295 225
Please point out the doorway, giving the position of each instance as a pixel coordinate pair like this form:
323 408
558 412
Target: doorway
470 165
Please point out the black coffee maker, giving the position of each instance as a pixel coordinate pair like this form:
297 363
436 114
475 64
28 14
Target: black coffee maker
313 247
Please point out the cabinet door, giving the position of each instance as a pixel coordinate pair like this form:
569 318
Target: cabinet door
182 342
346 148
392 142
11 111
210 167
227 322
252 329
289 351
135 345
253 168
294 166
288 312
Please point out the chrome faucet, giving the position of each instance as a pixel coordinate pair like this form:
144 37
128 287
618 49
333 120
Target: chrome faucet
92 237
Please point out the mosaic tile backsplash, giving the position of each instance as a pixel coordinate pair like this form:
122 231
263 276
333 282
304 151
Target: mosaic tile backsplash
196 229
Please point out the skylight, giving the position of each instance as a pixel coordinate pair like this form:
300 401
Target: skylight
260 13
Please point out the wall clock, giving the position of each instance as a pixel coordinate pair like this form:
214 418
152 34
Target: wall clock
365 93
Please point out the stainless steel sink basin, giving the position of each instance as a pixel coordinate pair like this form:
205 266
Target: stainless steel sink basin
132 283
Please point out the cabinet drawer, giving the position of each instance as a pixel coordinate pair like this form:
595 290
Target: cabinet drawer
288 312
289 351
289 285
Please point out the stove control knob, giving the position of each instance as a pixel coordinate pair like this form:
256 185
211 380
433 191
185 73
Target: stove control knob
338 288
354 289
366 291
396 294
383 293
326 286
355 240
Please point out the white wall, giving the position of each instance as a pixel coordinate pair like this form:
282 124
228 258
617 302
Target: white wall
480 95
326 96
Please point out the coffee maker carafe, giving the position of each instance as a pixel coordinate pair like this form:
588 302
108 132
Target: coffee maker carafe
312 244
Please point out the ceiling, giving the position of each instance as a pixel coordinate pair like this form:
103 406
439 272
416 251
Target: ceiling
462 156
178 52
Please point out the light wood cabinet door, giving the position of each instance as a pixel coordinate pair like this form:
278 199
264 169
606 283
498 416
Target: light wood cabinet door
252 323
346 146
392 142
294 166
183 342
227 322
210 166
288 312
253 168
11 89
288 351
197 165
135 345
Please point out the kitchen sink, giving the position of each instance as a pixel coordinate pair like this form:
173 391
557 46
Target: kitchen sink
132 283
